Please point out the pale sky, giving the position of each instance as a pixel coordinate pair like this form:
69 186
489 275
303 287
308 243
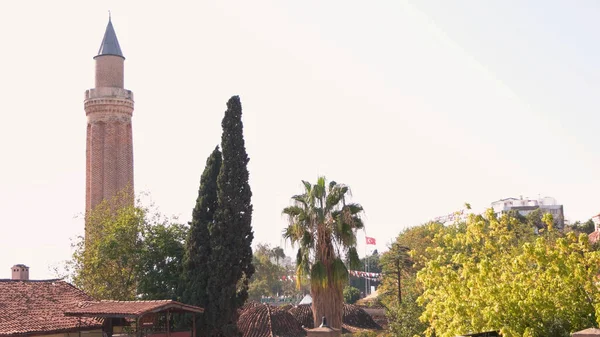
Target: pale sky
419 106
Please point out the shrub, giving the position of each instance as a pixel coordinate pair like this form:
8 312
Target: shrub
351 294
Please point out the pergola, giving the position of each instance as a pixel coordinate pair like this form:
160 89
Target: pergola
139 311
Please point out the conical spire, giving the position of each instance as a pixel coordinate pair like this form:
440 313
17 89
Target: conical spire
110 44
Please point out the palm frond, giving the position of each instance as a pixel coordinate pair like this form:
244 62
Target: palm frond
358 223
345 233
300 199
354 208
302 266
307 239
321 182
307 186
353 258
319 193
333 198
339 272
318 275
294 232
292 211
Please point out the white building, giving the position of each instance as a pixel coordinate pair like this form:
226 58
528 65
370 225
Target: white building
525 206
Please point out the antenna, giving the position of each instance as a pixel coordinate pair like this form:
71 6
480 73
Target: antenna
109 15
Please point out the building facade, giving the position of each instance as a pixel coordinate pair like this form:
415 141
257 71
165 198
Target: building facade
109 108
525 206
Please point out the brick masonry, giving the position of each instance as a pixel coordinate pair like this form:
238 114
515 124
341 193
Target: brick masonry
109 149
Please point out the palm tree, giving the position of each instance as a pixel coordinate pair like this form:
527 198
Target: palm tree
324 226
278 254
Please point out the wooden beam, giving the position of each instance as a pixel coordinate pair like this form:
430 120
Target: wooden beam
138 333
194 324
168 323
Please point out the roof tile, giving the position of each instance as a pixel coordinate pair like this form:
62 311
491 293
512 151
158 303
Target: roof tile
38 306
126 308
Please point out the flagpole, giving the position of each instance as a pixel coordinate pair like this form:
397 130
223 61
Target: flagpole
368 278
365 267
368 241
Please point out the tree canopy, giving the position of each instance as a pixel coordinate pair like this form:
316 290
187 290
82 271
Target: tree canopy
231 232
129 252
495 274
400 289
161 260
323 224
196 267
267 280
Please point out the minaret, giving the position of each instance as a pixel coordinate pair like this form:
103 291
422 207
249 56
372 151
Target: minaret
108 107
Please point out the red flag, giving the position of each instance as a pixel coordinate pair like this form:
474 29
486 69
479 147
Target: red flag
370 241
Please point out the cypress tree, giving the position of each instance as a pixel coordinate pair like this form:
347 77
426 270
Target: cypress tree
231 234
197 249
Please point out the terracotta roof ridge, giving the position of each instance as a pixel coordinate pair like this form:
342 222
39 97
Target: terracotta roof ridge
36 281
135 301
270 322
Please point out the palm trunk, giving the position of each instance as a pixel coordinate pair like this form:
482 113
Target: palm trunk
327 302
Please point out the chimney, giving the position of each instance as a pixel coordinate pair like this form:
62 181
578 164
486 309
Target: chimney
20 272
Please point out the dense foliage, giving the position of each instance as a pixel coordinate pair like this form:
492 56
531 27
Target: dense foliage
403 317
323 225
161 260
266 281
128 253
399 289
196 266
495 274
397 265
351 294
583 227
231 232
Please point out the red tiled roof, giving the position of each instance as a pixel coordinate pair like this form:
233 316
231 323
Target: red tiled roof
127 308
263 320
28 307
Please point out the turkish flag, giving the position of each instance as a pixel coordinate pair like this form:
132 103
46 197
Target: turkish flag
371 241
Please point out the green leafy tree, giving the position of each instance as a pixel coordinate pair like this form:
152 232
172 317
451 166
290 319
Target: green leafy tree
351 294
161 260
399 288
231 233
104 264
583 227
266 280
494 274
403 317
419 241
324 226
196 267
397 264
127 253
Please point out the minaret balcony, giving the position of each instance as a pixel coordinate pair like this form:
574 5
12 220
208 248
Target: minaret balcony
108 92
